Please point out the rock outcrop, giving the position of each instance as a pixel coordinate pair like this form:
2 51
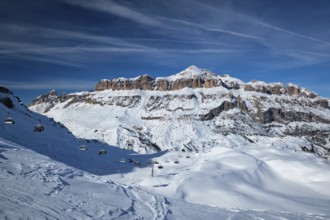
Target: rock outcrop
6 101
5 90
225 106
192 77
278 115
148 83
278 89
322 103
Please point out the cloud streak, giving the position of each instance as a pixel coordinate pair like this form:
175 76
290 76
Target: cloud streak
115 9
65 84
292 33
246 19
35 49
210 31
57 34
149 20
247 27
55 51
206 27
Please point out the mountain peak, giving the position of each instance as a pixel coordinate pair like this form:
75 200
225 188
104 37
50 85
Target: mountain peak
192 72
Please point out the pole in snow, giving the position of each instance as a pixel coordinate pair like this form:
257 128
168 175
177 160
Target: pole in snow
152 168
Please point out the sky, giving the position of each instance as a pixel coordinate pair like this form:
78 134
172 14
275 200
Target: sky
69 45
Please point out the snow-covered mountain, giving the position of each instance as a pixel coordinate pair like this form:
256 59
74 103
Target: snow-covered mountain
192 110
45 174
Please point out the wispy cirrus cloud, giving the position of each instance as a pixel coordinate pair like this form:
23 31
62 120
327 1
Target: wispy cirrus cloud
54 59
224 21
206 28
16 49
283 30
254 24
62 47
114 8
151 20
60 34
64 84
56 46
307 56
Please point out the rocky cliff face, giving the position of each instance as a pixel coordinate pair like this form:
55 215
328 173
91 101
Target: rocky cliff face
150 114
192 77
278 89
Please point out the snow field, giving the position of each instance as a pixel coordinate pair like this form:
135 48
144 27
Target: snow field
45 175
247 177
36 187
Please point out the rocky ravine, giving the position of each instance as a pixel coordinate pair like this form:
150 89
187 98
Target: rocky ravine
192 110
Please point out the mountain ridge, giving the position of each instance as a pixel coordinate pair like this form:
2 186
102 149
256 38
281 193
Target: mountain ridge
138 115
194 77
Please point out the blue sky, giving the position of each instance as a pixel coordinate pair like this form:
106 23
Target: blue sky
69 45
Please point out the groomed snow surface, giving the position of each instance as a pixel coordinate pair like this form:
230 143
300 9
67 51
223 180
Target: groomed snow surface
251 182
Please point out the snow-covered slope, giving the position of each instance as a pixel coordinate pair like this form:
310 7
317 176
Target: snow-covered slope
57 142
36 187
44 175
